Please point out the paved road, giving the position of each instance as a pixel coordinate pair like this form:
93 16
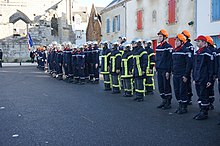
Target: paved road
38 110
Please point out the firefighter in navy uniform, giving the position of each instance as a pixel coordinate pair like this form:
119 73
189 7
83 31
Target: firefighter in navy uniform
1 54
74 63
87 63
218 71
80 66
51 58
181 70
126 70
149 84
115 68
139 69
190 47
105 65
67 55
95 62
59 63
210 44
202 75
163 67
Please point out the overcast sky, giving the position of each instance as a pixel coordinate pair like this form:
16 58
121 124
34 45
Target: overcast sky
102 3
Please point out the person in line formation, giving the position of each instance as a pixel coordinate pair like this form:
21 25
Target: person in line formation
1 57
129 67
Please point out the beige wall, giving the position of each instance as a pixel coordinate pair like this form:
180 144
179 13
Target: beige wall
113 36
185 10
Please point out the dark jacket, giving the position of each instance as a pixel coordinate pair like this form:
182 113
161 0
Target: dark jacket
115 61
181 61
151 57
80 59
67 55
105 60
95 55
127 64
164 57
203 66
140 62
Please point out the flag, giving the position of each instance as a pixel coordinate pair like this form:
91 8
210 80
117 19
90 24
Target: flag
30 42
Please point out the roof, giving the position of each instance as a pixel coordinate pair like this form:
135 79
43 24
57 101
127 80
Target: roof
98 9
17 16
114 2
54 7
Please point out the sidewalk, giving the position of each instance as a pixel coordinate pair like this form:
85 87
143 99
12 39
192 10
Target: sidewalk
18 64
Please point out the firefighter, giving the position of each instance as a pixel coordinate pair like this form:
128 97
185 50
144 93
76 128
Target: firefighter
181 69
105 65
59 62
126 70
149 84
202 75
74 63
1 54
80 66
190 47
95 62
67 54
87 60
163 68
139 71
218 71
51 58
121 41
210 45
41 57
115 66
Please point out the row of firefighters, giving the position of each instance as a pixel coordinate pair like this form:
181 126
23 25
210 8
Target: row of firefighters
131 66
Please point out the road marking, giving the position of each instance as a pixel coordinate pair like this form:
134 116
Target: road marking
2 107
15 135
45 94
87 119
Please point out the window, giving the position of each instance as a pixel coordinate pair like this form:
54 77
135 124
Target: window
216 40
113 25
215 10
139 20
108 25
171 11
116 23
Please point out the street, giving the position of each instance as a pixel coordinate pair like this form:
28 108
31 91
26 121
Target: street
38 110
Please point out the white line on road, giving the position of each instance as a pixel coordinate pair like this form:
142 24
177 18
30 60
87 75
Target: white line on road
87 119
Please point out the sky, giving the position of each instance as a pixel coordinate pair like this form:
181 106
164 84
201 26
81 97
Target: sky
102 3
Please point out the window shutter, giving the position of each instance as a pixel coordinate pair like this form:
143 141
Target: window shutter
113 25
139 20
215 10
118 23
171 11
107 26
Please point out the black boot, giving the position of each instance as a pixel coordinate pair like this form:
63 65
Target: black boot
211 106
162 103
167 105
129 94
183 108
140 99
203 114
179 108
189 98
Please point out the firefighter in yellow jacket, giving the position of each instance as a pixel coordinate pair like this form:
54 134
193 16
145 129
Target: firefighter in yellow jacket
126 70
150 67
